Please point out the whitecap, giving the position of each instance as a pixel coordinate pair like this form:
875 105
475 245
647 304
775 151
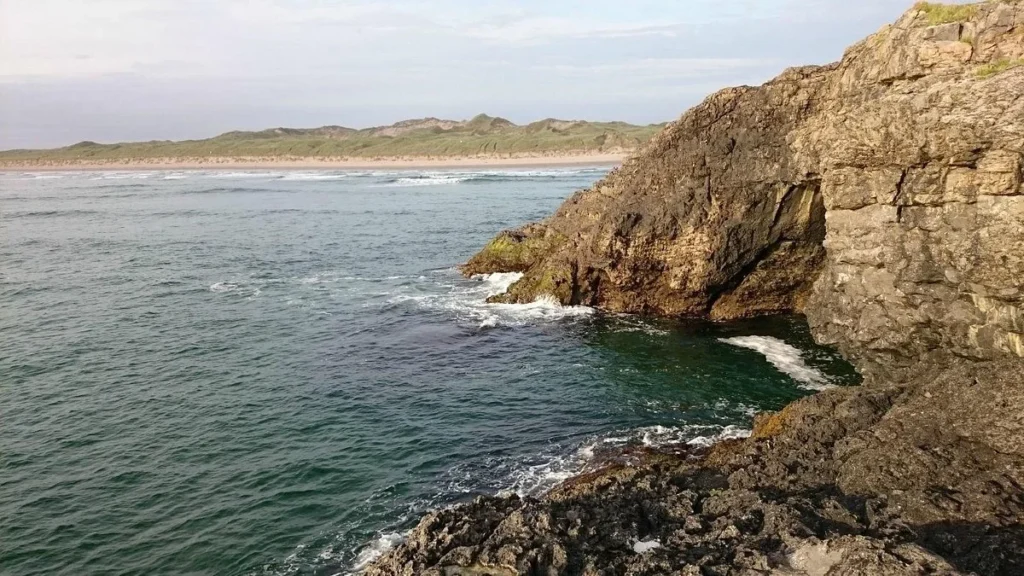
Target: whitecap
123 176
243 175
222 287
43 177
314 176
787 359
425 180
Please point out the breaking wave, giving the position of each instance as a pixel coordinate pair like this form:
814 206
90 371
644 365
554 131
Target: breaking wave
315 176
469 304
426 180
447 177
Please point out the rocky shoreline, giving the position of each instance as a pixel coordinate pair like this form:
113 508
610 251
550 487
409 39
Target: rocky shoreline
882 197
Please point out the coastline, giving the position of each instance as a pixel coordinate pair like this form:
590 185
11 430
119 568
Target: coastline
882 197
265 163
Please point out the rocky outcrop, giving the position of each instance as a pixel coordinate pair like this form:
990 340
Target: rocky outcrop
884 190
883 197
871 480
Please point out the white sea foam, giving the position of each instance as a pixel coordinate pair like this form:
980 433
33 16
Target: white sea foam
42 177
694 435
437 178
728 433
745 409
376 549
299 176
785 358
427 180
635 324
123 176
536 476
244 175
491 322
468 303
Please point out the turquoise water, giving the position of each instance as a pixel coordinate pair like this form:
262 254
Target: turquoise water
277 373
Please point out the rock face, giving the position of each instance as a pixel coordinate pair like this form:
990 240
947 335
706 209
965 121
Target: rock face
883 197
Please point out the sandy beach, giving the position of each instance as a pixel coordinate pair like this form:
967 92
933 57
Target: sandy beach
412 163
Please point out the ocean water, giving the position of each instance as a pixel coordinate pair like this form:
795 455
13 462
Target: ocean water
277 373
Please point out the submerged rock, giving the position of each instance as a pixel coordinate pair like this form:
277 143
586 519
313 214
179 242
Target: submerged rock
882 196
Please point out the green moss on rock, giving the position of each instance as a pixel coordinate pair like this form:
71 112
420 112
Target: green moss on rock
513 251
539 283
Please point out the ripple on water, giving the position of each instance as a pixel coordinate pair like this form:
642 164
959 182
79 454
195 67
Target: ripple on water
279 372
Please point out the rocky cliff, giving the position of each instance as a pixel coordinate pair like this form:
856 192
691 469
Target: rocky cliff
881 191
881 196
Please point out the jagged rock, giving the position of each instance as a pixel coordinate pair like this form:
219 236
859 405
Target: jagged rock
873 480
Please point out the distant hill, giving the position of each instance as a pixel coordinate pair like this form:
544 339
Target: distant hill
421 138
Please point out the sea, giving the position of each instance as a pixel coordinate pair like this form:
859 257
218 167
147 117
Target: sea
278 372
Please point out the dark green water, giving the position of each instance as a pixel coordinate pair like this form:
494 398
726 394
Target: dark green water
277 373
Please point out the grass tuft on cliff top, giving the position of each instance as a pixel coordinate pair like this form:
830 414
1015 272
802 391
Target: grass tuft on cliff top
998 67
937 14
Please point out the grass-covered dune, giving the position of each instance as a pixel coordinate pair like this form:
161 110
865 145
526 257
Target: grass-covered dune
483 136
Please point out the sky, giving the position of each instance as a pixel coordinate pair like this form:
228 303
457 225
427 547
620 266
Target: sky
125 70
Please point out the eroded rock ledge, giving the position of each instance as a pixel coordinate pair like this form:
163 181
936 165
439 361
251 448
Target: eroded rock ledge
883 197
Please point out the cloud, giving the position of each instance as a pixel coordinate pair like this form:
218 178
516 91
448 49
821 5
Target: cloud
140 69
662 67
540 30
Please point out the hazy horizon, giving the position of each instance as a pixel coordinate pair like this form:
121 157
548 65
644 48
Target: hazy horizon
175 70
